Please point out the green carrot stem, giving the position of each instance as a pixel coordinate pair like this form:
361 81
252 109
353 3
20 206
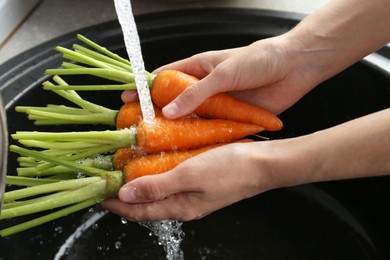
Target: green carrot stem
103 58
47 188
108 141
88 113
36 172
64 176
52 109
69 65
22 181
85 192
82 58
101 162
112 55
111 74
80 154
32 162
70 164
47 218
43 118
60 81
101 62
73 97
126 135
34 200
102 49
128 86
54 145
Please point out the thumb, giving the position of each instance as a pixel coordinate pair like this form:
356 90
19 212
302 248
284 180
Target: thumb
192 97
150 188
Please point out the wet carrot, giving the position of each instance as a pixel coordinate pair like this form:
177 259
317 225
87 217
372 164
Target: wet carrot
170 83
130 114
165 135
122 156
160 162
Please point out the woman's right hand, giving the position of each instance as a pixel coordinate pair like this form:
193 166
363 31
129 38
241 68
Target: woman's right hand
276 72
263 73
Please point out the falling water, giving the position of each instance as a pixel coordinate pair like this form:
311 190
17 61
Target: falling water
133 48
169 232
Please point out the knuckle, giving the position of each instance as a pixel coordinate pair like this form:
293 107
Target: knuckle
190 93
153 192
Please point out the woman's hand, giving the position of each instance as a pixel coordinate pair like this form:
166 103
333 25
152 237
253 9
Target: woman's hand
196 187
275 73
225 175
262 74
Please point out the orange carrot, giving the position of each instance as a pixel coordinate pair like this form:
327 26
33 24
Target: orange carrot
165 135
160 162
170 83
123 155
130 114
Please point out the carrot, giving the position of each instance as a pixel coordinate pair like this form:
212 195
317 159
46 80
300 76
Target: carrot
170 83
130 114
160 162
162 135
122 156
165 135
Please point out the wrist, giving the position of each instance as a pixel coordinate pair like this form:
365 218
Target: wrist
338 35
280 163
290 162
355 149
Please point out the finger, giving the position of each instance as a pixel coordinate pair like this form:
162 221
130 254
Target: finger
199 65
193 96
179 207
152 188
157 197
129 96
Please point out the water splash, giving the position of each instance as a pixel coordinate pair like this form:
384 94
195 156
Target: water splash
170 235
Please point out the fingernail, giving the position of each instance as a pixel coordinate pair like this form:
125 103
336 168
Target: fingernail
170 109
127 194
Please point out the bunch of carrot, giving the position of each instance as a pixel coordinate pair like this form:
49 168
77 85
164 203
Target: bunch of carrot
134 148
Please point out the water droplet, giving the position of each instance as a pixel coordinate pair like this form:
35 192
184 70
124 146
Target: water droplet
95 226
80 175
124 221
58 229
118 245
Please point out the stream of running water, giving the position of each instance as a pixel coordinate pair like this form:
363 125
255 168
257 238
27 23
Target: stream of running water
169 232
